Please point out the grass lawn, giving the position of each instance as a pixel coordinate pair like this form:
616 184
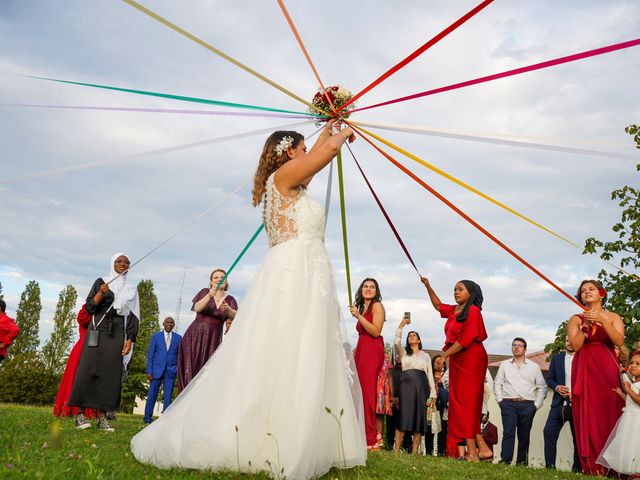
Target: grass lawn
29 448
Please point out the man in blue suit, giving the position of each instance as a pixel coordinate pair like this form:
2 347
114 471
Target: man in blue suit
559 380
162 366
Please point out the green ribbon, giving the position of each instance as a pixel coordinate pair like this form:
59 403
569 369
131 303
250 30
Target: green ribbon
176 97
244 250
343 216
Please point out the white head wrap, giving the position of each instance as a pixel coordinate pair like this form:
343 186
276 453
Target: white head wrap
125 296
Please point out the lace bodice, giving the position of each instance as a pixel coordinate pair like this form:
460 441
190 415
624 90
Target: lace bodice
286 218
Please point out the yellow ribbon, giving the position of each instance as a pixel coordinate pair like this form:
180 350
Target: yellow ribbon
463 184
481 194
213 49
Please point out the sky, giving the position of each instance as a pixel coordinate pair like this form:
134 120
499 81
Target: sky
62 228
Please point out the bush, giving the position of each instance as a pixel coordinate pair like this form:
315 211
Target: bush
24 379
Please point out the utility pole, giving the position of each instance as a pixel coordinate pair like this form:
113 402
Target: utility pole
179 304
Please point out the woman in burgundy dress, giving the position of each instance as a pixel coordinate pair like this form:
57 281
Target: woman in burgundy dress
213 309
465 332
369 354
595 373
60 407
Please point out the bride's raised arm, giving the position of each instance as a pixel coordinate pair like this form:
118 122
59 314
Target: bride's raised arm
302 166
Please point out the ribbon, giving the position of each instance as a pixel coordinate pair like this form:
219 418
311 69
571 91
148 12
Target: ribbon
151 153
158 110
470 220
466 186
244 250
384 212
515 142
213 49
181 98
184 227
509 73
306 55
343 217
327 200
419 51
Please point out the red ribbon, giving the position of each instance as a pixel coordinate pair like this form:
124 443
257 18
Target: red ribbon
419 51
509 73
468 218
384 212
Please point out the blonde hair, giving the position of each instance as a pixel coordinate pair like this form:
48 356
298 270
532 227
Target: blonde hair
270 161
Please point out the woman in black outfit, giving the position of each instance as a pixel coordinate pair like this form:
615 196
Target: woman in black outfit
115 309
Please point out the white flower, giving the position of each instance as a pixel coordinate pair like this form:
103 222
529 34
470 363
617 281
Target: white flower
284 144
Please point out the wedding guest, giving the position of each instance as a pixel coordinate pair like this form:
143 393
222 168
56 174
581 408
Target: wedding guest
417 390
162 366
442 403
621 453
8 330
369 356
213 307
392 420
60 406
520 390
98 382
465 332
489 431
384 405
595 373
559 380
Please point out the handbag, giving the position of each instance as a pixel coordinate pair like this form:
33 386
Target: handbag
433 419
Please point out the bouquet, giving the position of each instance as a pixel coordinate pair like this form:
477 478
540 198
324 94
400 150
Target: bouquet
338 96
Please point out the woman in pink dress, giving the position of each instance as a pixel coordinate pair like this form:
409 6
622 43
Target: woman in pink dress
369 355
595 374
384 407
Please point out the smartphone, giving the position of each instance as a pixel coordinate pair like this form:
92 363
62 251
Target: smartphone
408 316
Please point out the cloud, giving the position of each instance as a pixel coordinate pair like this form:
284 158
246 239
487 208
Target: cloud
62 229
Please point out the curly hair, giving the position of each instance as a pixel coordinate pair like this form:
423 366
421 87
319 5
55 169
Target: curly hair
270 161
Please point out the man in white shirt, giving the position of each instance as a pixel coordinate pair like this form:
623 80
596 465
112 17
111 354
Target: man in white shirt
520 389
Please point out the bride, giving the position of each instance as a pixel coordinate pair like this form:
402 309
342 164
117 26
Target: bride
281 393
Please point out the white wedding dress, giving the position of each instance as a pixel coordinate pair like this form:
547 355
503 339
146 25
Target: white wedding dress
281 393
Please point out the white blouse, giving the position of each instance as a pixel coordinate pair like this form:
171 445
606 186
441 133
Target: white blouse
418 361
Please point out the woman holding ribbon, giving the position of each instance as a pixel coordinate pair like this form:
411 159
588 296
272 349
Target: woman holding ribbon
369 354
116 310
281 393
595 373
464 331
213 307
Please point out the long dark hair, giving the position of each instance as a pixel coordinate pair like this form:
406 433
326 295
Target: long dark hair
407 347
475 298
359 303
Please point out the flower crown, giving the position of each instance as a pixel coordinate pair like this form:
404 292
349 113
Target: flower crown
285 143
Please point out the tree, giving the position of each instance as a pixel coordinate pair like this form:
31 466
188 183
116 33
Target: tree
136 384
1 295
56 350
24 379
623 290
28 319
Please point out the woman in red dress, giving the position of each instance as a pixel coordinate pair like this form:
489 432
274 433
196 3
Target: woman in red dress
369 354
60 407
595 373
465 332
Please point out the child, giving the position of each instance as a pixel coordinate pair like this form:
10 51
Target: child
622 450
